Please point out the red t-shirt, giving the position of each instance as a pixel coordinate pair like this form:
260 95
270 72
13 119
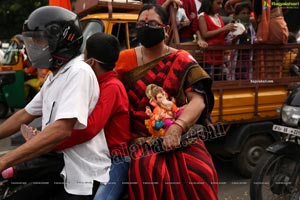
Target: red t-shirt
111 113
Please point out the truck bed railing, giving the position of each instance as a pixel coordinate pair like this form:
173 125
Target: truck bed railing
242 63
251 86
256 63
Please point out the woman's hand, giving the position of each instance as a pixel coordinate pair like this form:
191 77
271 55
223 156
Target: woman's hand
185 22
229 8
202 44
172 137
229 27
176 3
188 117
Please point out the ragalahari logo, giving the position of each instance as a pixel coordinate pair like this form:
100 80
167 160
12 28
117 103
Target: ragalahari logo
292 4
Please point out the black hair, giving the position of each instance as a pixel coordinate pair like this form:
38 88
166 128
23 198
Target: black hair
292 16
207 7
159 10
149 1
292 38
104 48
240 6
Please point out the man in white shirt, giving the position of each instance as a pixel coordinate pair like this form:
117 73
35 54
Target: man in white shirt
53 38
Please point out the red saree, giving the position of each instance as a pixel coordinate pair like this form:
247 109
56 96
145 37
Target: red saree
184 173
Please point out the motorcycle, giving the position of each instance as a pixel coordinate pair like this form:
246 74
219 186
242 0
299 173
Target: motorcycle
33 177
36 179
277 175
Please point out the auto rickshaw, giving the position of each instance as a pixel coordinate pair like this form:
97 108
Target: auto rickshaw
14 92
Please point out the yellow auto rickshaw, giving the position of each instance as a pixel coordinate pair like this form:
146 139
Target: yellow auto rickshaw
18 84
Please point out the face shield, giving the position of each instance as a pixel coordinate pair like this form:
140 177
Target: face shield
37 49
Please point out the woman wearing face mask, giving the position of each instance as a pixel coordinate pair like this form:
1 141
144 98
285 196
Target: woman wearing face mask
176 171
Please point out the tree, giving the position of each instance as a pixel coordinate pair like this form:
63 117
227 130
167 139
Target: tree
13 13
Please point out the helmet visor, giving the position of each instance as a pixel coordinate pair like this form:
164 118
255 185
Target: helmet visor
37 49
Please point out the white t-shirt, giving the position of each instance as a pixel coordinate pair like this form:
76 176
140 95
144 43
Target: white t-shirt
73 93
181 15
198 6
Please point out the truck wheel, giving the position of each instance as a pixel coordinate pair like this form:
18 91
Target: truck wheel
251 152
3 109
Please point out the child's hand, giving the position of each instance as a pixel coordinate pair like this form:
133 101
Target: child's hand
28 132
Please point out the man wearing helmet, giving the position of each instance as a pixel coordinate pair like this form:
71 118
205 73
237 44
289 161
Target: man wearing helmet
53 38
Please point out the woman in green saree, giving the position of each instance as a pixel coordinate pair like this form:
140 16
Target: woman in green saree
175 173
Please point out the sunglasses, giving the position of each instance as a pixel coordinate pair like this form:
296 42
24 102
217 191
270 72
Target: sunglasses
150 24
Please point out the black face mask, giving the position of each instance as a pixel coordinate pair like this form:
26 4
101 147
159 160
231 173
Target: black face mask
149 37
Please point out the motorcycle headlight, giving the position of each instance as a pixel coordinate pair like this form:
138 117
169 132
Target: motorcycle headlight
290 115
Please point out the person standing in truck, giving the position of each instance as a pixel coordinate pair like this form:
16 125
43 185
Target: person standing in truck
241 59
213 31
188 32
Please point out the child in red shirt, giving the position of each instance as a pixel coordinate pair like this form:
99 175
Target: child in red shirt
110 113
213 31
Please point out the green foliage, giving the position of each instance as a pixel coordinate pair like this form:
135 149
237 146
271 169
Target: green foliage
13 13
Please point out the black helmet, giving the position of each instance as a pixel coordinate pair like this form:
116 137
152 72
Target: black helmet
52 36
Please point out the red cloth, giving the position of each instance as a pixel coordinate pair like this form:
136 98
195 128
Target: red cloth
111 113
62 3
191 11
185 173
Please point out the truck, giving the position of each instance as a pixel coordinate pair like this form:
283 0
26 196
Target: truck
245 109
117 17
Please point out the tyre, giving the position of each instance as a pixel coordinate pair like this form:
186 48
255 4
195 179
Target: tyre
30 190
3 109
250 153
277 176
